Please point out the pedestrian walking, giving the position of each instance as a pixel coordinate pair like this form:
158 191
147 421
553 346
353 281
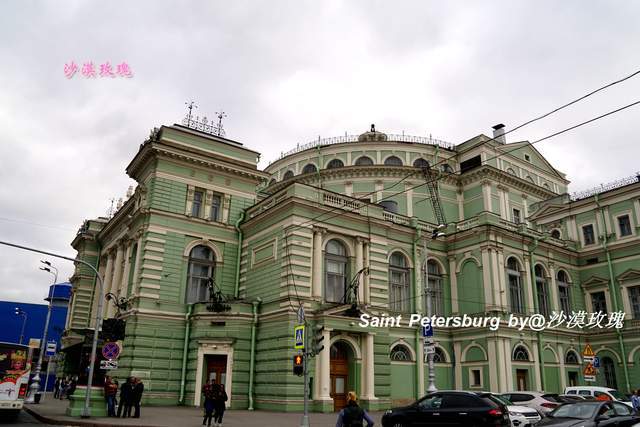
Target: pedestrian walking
71 388
110 392
64 383
220 405
136 396
209 391
353 415
126 390
56 388
635 401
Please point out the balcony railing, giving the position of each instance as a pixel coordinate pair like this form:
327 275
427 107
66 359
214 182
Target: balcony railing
579 195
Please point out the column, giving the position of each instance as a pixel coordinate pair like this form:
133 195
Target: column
508 365
457 351
117 276
323 368
108 275
526 275
316 279
487 280
369 367
460 199
563 374
453 277
486 195
409 199
420 364
495 266
525 212
536 366
493 372
367 264
136 266
502 280
359 265
127 269
379 187
555 303
226 207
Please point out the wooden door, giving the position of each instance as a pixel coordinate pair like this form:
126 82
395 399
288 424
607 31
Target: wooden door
217 369
339 373
521 379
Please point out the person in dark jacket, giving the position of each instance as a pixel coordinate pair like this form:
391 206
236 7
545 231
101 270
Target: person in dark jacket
220 404
126 390
136 396
353 415
210 392
110 392
56 388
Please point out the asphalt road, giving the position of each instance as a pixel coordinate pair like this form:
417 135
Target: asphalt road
23 419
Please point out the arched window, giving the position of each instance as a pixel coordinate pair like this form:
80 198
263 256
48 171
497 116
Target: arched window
511 171
287 175
364 161
520 353
435 286
609 372
272 182
389 206
336 271
400 353
420 163
202 265
310 168
398 282
393 161
571 358
542 290
516 294
555 233
564 291
439 356
335 163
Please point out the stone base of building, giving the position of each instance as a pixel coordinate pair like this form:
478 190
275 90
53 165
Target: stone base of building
97 404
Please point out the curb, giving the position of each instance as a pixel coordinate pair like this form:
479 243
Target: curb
54 421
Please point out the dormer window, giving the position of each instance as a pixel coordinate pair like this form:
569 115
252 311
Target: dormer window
527 158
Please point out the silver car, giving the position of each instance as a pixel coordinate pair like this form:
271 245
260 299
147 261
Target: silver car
538 400
520 416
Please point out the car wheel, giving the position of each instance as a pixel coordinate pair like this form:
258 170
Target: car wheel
398 423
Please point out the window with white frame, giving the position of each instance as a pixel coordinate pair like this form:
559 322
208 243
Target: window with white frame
398 282
516 293
336 271
634 301
439 356
521 354
588 234
599 302
202 264
564 291
542 290
515 216
475 377
216 208
400 353
435 286
624 226
198 201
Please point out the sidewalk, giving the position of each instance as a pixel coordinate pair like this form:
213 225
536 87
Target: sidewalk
52 411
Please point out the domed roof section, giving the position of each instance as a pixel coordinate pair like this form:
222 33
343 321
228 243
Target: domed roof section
372 136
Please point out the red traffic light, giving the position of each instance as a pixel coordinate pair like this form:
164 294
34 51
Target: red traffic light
298 365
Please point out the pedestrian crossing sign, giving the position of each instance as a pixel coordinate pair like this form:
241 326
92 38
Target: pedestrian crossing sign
588 351
589 370
299 337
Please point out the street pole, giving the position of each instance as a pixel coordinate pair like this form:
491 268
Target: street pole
21 312
306 353
427 291
86 412
35 385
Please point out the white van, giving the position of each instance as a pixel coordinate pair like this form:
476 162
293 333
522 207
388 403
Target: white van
599 393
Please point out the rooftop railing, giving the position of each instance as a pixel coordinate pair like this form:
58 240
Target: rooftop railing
579 195
321 142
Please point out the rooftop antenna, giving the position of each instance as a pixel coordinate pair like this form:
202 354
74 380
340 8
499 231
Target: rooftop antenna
110 210
190 106
219 130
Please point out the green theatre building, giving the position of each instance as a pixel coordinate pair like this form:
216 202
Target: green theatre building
211 258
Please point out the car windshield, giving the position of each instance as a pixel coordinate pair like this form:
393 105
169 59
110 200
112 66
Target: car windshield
583 411
618 395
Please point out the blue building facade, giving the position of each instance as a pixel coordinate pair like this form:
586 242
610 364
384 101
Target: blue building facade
36 314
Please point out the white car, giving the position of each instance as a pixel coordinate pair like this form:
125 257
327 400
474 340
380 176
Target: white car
520 416
536 400
598 393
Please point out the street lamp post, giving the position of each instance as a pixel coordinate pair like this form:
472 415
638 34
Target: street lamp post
21 312
35 384
428 294
86 412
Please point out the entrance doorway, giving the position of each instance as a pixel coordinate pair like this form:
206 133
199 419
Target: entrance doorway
339 373
521 379
573 378
217 369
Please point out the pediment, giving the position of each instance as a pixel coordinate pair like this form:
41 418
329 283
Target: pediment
594 281
629 275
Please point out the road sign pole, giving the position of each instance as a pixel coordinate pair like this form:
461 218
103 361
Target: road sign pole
305 353
427 291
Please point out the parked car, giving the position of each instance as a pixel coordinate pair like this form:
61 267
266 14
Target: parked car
540 401
450 408
520 416
569 398
591 414
599 393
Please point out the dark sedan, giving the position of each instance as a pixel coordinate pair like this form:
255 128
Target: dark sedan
450 408
591 414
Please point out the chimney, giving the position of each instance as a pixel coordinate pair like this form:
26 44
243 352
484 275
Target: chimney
498 134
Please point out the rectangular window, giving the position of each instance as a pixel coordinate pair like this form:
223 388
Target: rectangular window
216 211
515 291
599 302
516 216
634 301
476 380
588 234
565 301
336 279
196 207
399 290
543 299
625 225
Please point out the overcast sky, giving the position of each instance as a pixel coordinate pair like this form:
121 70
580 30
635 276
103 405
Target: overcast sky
286 72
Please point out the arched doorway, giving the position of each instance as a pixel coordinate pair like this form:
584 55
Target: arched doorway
339 373
609 372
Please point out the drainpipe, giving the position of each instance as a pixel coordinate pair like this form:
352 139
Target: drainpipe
183 373
414 282
252 362
612 290
534 284
236 290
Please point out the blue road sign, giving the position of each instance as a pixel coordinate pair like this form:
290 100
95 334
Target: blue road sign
51 348
596 362
299 337
427 331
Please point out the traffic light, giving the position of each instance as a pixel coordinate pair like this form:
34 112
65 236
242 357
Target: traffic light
318 337
298 365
